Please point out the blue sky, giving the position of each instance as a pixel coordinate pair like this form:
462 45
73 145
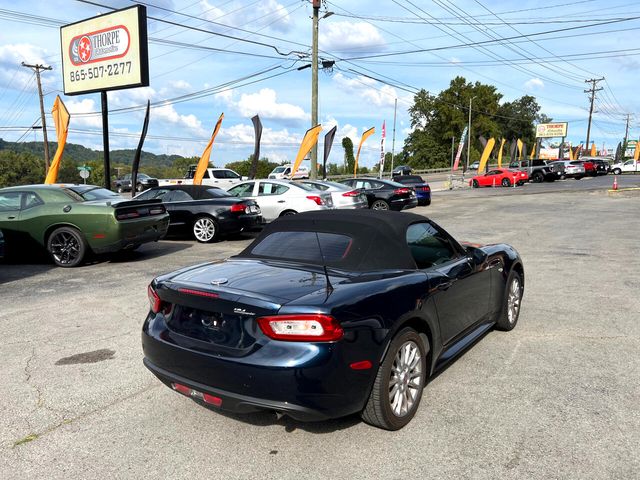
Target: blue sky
366 39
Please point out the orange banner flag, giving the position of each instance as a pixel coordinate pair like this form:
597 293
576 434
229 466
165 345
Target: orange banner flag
204 159
520 145
502 142
533 151
308 141
365 135
636 153
593 152
61 120
485 154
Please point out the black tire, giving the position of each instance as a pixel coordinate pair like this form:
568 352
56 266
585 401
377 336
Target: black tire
537 177
288 212
67 247
205 229
616 171
506 182
578 177
508 317
475 184
379 205
379 410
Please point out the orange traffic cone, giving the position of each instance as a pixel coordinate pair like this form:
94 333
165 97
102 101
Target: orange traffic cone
615 182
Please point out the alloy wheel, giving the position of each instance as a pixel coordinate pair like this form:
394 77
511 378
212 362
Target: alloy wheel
405 383
513 300
380 205
204 229
65 248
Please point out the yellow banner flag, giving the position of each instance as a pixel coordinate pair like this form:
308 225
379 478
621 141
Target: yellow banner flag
571 157
365 135
520 144
636 154
61 120
308 141
485 154
533 151
593 152
500 152
204 159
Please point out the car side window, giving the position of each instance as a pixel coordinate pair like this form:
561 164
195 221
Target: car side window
218 174
30 200
492 172
230 174
375 185
242 190
268 188
10 201
428 246
177 196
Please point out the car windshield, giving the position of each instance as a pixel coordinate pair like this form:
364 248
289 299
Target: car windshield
142 175
279 169
93 193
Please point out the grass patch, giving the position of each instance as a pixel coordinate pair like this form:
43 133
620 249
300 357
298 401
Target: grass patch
27 439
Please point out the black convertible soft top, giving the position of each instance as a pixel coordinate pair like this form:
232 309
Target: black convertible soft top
377 239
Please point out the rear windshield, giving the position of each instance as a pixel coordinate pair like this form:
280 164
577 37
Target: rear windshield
217 192
304 246
409 179
95 193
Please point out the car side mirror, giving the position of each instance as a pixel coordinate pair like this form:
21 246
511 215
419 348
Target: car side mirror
244 178
477 256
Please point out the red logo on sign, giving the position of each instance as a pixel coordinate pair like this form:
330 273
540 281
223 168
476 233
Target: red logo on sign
84 49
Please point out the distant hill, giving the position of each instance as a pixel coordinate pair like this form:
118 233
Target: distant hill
80 154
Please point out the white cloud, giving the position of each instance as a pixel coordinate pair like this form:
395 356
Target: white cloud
265 104
534 84
371 91
267 14
13 74
343 36
169 114
85 105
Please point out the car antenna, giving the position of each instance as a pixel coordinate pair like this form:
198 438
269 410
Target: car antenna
324 266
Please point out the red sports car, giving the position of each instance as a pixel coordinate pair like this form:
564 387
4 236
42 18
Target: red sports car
499 177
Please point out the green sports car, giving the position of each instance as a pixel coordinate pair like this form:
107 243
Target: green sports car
72 220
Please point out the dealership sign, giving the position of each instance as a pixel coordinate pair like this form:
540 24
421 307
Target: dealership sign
107 52
546 130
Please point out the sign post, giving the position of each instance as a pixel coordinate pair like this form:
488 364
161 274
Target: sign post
107 52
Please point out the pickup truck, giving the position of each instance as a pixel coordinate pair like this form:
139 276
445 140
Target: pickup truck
217 177
625 167
538 170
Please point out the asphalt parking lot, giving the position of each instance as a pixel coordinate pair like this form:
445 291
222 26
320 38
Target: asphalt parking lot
558 397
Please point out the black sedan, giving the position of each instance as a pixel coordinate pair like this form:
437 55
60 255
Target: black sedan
384 194
207 212
329 313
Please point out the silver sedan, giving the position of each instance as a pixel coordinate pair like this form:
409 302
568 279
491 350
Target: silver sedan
343 196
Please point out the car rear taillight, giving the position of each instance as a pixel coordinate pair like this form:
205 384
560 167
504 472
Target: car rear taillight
351 193
239 207
402 191
127 215
190 392
317 199
155 303
199 293
301 328
425 189
159 210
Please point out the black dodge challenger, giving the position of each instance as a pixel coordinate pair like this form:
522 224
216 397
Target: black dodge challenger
327 314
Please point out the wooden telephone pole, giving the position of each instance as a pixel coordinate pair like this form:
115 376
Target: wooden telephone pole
37 68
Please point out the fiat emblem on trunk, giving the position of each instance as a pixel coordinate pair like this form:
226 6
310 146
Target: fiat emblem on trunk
219 281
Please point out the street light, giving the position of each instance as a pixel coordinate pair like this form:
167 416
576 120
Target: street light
469 133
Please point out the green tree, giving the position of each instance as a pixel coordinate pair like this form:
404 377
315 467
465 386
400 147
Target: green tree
265 167
20 168
517 119
349 158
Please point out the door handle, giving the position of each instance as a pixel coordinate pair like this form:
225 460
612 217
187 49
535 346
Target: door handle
281 201
445 285
12 217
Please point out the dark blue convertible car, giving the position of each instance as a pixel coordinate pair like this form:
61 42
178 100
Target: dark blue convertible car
327 314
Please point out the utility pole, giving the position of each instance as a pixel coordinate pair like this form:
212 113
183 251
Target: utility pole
314 87
469 134
393 142
592 91
37 68
626 137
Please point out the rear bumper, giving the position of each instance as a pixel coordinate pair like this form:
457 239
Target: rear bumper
404 203
307 381
240 223
132 232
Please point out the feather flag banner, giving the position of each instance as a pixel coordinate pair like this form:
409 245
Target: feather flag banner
309 140
502 142
204 159
485 154
365 135
61 120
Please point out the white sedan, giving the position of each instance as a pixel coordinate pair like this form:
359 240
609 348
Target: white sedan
280 197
